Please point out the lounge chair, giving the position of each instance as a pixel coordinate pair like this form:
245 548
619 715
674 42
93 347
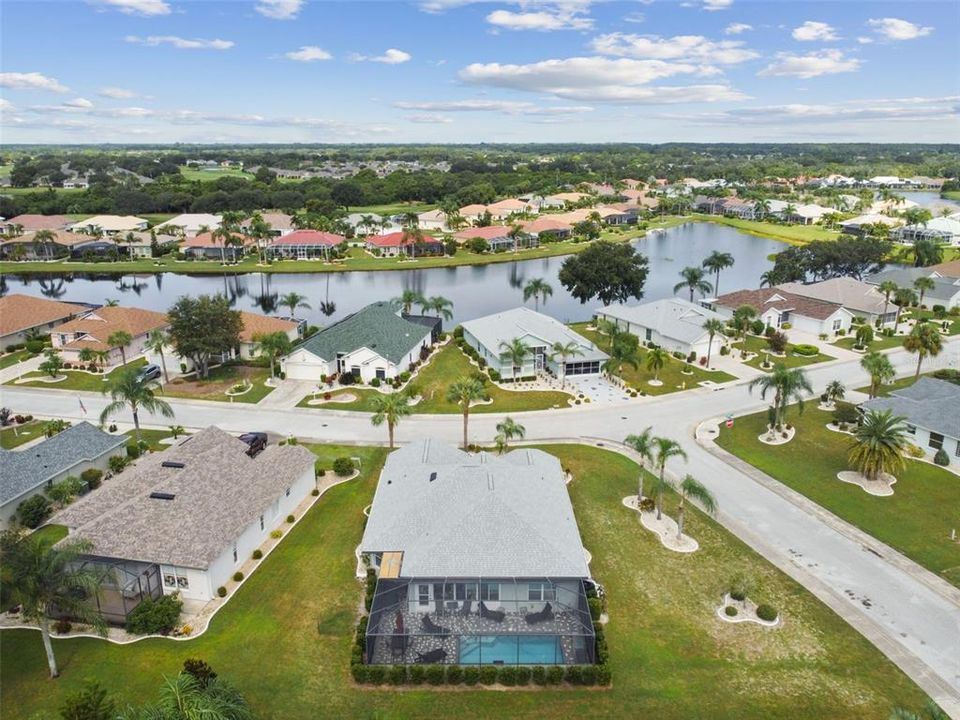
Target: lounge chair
434 656
538 617
432 628
467 608
495 615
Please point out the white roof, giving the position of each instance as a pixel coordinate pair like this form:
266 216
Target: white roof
522 322
871 219
194 221
950 224
673 318
112 223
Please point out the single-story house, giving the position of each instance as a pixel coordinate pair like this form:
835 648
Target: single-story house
545 226
185 520
931 409
560 200
860 225
304 245
110 224
807 214
735 207
93 329
472 213
497 237
21 315
949 269
672 323
860 298
403 243
206 246
886 181
893 204
64 244
68 453
139 243
20 224
777 307
505 208
191 224
479 561
375 342
255 324
433 220
944 230
280 223
946 290
538 332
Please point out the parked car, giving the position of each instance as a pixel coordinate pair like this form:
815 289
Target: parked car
256 440
149 372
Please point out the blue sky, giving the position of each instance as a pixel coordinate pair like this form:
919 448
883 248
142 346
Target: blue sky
465 71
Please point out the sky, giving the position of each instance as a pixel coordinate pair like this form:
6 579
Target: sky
283 71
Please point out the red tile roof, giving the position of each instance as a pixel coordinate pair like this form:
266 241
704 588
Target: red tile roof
205 240
309 237
487 233
781 300
256 324
22 312
38 222
395 239
546 224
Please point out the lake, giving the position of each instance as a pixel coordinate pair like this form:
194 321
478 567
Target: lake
926 198
475 290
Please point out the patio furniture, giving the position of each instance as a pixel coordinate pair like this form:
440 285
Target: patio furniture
432 628
434 656
398 646
439 607
467 608
542 616
495 615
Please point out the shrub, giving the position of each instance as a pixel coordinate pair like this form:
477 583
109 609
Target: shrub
596 608
417 674
359 672
941 458
458 332
347 379
222 591
343 466
375 383
376 674
757 327
554 675
34 511
62 627
647 504
290 518
200 670
739 588
845 413
494 375
276 533
574 674
117 463
939 311
471 675
64 491
454 675
914 451
34 347
725 350
767 613
507 675
153 617
112 428
371 587
805 350
539 675
948 374
523 675
604 675
237 576
786 326
397 675
488 674
730 610
133 451
588 675
257 554
777 342
92 477
436 674
315 492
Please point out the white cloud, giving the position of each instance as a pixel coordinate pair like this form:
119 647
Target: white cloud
812 31
117 93
430 119
6 106
814 64
81 103
180 43
635 17
692 48
308 53
600 79
508 107
147 8
390 57
713 5
897 29
864 40
546 20
31 81
279 9
737 28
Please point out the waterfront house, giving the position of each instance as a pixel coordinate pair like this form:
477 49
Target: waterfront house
304 245
64 244
280 224
864 224
511 206
110 224
433 220
25 315
93 330
497 237
403 242
192 224
943 230
672 323
860 298
206 246
547 227
20 224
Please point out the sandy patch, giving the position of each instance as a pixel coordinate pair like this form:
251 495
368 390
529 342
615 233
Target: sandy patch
746 613
665 528
883 487
341 398
777 438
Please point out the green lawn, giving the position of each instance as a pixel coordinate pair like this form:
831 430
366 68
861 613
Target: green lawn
152 438
157 219
671 374
78 380
928 315
879 342
220 380
326 454
757 344
916 519
900 384
15 437
392 208
8 359
950 194
192 173
793 234
51 533
285 638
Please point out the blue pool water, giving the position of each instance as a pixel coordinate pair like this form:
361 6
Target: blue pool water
510 650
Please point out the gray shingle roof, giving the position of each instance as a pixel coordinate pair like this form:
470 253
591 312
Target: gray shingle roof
219 492
945 289
377 327
521 322
928 403
24 470
674 318
482 515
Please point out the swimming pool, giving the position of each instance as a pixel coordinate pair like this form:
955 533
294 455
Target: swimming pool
510 650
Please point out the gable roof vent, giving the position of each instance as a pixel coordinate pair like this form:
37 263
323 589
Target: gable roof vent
172 464
162 496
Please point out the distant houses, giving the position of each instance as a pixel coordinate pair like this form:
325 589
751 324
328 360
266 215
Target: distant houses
403 242
110 224
860 298
945 291
497 237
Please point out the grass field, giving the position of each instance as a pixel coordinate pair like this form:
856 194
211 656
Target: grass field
77 380
52 533
916 519
220 380
879 342
18 191
392 208
757 344
793 234
950 194
11 438
8 359
284 639
192 173
153 437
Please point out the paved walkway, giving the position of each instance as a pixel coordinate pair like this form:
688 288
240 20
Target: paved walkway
287 394
21 368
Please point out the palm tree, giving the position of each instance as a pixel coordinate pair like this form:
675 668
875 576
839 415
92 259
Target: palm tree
925 339
692 488
610 329
787 384
515 233
111 302
516 351
880 370
100 357
45 240
129 390
664 449
742 317
390 409
693 280
224 236
715 262
407 299
768 278
538 289
52 362
713 326
507 429
86 355
903 297
120 339
563 351
835 391
621 353
184 696
922 285
888 288
439 305
864 336
156 341
642 444
41 577
656 359
271 346
294 301
879 442
463 392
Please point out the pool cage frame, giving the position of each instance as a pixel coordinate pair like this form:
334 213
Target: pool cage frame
124 584
515 626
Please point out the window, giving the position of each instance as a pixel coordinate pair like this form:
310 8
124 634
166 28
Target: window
170 580
837 324
912 429
648 335
957 451
936 441
261 522
490 591
423 594
183 582
465 591
381 374
541 591
355 370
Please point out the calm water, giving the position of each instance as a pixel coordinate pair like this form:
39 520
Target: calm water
925 199
474 290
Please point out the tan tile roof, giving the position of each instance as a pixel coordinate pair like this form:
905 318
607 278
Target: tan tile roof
543 224
947 269
254 324
64 238
761 300
205 240
105 321
22 312
38 222
277 221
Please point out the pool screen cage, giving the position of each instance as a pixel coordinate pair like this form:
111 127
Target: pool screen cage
480 621
124 584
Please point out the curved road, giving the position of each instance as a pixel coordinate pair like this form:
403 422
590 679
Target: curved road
910 614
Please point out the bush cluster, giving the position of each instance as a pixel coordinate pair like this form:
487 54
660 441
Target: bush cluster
805 350
343 466
941 458
767 613
92 477
155 617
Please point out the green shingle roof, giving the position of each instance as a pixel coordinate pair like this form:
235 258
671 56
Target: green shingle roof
377 327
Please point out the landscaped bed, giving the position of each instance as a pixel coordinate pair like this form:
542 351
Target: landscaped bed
284 639
916 519
791 359
220 384
81 380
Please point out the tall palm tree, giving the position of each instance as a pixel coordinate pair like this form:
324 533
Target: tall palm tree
621 353
41 577
656 359
507 429
563 351
742 317
768 278
715 262
693 489
610 329
903 297
643 445
157 340
440 305
294 301
880 370
390 409
185 697
120 339
925 339
407 299
713 326
693 280
128 390
922 285
663 450
516 351
515 233
271 346
463 392
878 444
538 289
787 384
888 288
45 239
